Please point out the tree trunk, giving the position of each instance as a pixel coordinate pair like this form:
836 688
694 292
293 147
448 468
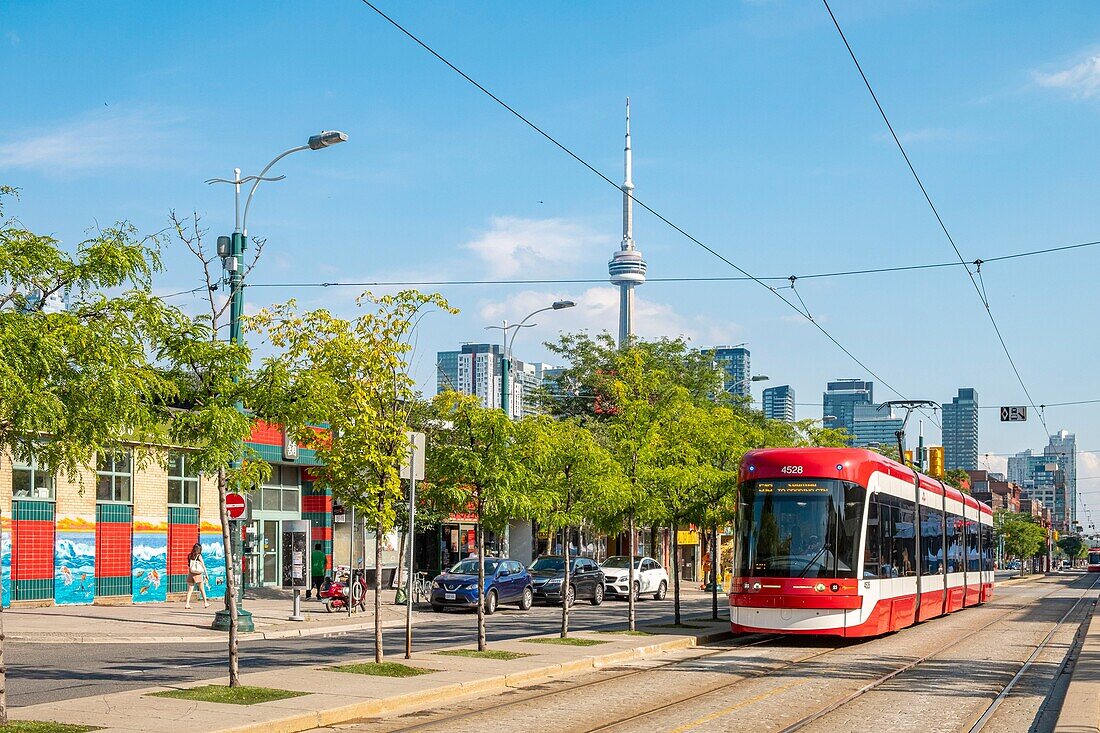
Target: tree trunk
630 598
231 590
714 572
378 651
480 579
565 585
675 575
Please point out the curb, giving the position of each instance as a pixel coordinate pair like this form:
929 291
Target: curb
457 691
219 638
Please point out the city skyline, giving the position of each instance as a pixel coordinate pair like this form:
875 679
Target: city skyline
516 205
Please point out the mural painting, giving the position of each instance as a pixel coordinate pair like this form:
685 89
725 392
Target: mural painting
74 560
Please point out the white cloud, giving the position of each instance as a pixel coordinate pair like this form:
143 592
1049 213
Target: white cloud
994 464
597 310
106 138
1081 80
514 246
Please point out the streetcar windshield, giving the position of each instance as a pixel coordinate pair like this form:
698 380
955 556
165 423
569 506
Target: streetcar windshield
799 528
1094 557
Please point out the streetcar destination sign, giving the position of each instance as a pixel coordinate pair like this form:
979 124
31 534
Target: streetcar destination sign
1013 414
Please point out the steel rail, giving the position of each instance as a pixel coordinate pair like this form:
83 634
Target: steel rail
832 707
985 717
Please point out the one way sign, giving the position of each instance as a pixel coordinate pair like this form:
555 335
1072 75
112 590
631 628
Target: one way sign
1013 414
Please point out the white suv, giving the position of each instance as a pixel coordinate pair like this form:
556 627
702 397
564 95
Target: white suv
649 577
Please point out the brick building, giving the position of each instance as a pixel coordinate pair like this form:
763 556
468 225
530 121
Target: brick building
121 529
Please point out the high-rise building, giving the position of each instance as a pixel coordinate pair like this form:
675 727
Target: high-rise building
475 369
734 363
779 403
1064 445
627 268
960 430
840 400
872 425
1044 477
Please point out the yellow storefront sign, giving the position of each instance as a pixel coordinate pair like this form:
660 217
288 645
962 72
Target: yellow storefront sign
687 537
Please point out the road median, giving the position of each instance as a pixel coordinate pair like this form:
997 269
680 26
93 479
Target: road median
334 697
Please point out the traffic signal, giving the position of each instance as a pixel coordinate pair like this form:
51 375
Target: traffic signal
935 461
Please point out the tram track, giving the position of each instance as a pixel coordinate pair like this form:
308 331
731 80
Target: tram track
641 715
700 694
572 689
987 715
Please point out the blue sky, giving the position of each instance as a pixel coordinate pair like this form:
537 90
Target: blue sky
751 130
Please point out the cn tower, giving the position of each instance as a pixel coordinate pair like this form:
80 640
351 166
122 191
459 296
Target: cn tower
627 268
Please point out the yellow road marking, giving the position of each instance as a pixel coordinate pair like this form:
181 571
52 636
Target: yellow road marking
726 711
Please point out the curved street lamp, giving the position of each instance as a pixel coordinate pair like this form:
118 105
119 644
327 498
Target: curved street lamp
505 359
230 250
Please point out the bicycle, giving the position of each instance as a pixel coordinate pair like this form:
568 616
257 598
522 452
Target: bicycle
422 587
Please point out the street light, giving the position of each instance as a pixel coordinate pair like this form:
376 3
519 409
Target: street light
230 250
505 361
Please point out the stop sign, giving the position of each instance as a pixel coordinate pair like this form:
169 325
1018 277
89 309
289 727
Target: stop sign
235 506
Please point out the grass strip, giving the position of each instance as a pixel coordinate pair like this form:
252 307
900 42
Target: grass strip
382 669
243 695
567 641
44 726
487 654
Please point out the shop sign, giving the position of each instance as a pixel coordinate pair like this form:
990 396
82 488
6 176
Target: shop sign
290 448
687 537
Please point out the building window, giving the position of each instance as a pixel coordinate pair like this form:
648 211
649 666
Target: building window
183 480
114 476
28 481
282 492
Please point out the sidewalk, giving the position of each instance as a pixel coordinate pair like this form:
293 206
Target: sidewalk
335 697
1081 708
170 623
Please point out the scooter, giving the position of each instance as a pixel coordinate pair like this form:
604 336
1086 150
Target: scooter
334 594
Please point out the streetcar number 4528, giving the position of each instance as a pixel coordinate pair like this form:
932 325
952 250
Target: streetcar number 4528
791 469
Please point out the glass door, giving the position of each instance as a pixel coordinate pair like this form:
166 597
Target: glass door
269 547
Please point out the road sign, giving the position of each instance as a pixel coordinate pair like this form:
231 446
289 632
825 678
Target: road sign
235 506
1013 414
416 448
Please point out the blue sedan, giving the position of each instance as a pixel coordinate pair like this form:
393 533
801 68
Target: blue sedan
506 581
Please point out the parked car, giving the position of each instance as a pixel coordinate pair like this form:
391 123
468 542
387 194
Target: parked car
585 580
506 581
649 577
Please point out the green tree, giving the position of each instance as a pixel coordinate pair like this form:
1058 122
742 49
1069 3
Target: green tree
474 458
1073 546
214 381
958 478
352 376
577 482
78 381
1023 537
580 390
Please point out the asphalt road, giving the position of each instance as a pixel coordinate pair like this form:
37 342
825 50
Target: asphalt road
41 673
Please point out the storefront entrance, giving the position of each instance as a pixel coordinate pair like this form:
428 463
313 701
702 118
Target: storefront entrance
262 553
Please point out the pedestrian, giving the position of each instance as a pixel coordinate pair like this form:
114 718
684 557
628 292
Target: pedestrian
196 576
317 564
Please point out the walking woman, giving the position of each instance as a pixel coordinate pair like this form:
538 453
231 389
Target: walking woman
196 576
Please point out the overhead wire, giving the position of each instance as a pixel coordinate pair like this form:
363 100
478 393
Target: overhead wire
935 212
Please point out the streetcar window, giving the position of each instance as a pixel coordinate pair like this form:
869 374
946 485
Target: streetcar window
798 528
931 541
872 556
954 543
987 548
973 561
899 547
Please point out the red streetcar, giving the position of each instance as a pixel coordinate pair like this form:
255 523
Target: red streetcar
1094 559
826 545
